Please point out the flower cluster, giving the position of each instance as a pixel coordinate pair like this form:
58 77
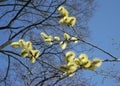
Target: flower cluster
48 39
63 44
67 39
84 62
26 49
71 66
66 19
81 62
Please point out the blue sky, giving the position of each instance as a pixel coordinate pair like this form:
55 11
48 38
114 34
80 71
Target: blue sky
105 31
105 24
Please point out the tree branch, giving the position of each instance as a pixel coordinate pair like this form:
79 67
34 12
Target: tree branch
8 68
93 45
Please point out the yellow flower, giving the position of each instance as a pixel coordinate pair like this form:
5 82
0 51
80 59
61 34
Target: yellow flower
72 67
66 36
65 69
67 20
72 21
35 53
32 59
63 45
88 64
69 69
15 44
71 74
62 21
63 11
56 38
48 41
69 56
24 53
22 43
44 36
83 58
74 39
76 60
28 45
97 62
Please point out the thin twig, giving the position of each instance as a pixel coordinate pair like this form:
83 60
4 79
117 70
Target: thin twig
93 45
8 68
7 53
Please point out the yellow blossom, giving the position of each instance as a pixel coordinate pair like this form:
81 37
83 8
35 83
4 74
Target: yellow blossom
67 20
83 59
72 67
63 45
97 62
15 44
29 45
32 59
44 36
24 53
22 43
56 38
66 36
72 21
63 11
48 41
88 64
76 60
62 21
69 69
69 56
35 53
74 39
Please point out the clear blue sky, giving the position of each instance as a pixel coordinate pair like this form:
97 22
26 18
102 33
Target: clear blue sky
105 24
105 30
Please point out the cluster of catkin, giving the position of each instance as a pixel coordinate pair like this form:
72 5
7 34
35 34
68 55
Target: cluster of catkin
81 62
63 44
65 18
26 49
